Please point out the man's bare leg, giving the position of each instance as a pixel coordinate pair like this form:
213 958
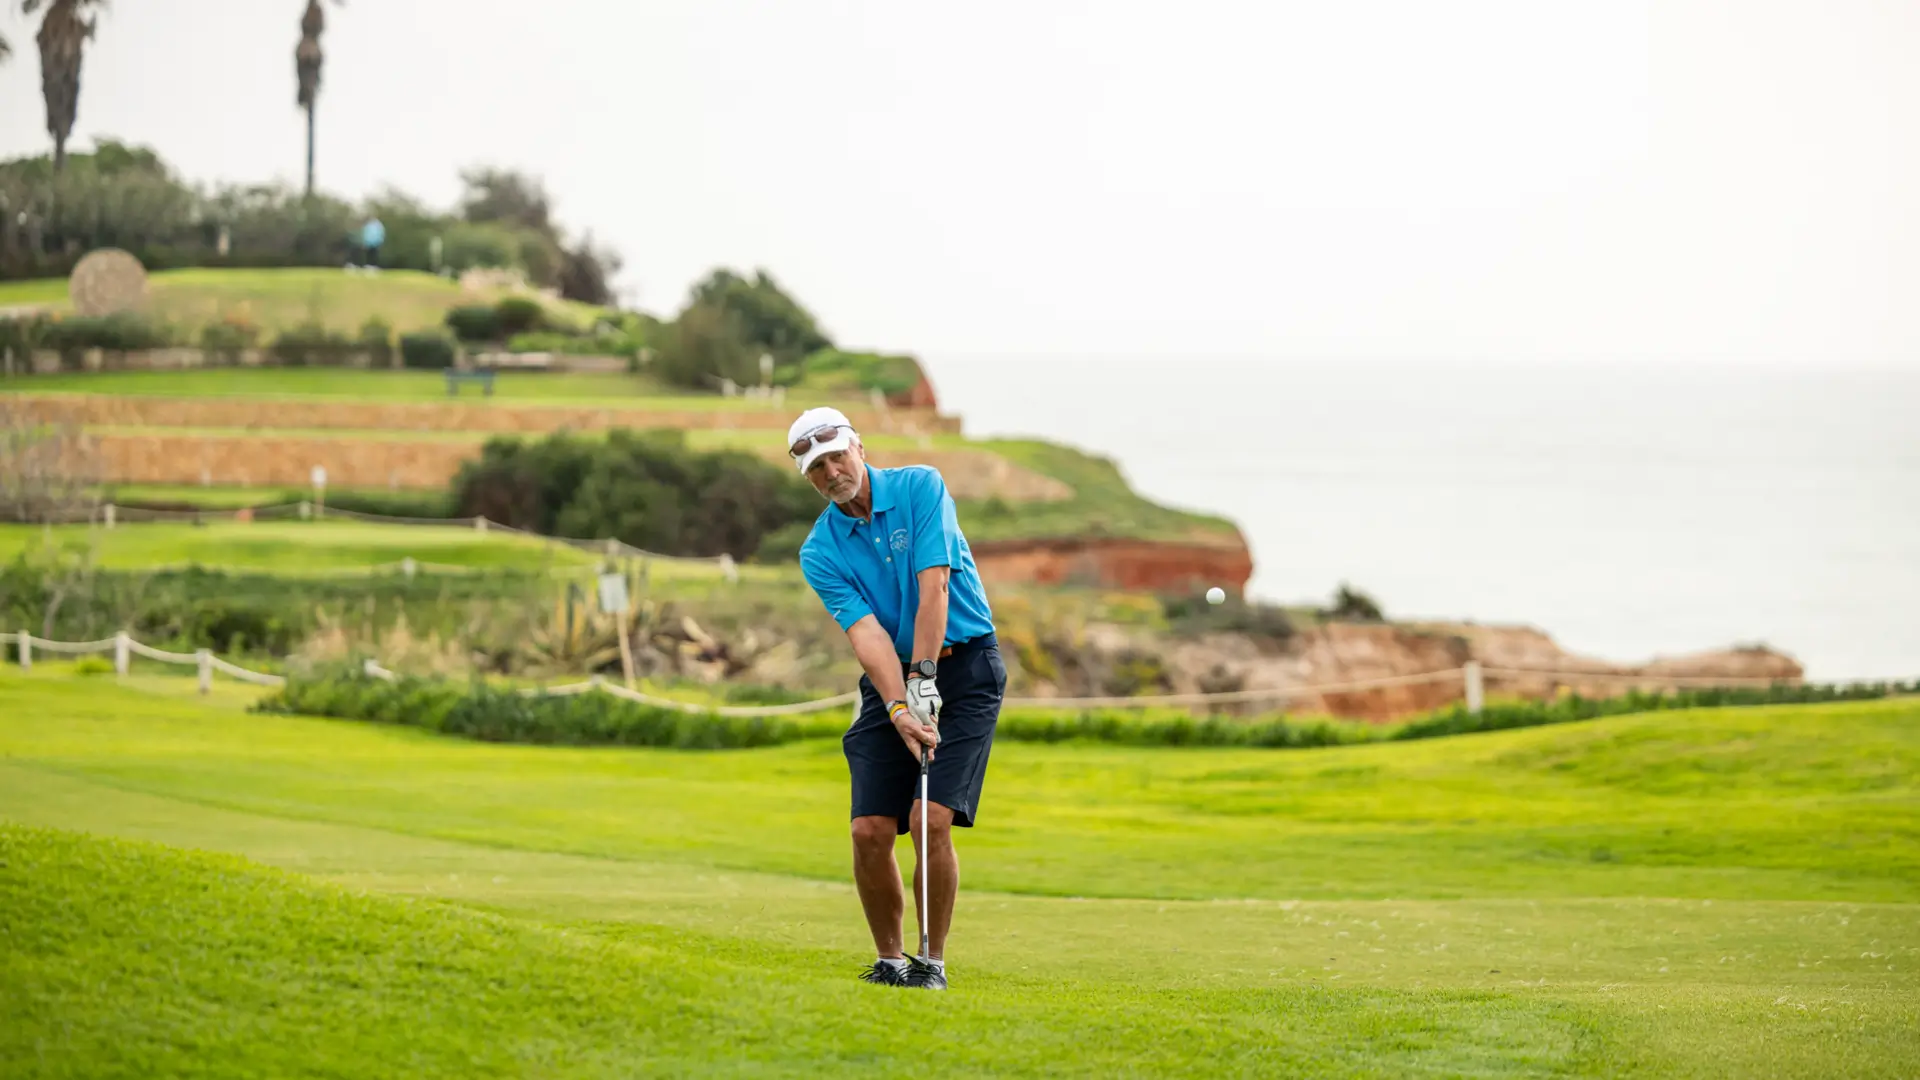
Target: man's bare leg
877 876
946 873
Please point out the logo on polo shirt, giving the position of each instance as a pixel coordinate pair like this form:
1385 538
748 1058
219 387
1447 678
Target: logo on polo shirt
900 540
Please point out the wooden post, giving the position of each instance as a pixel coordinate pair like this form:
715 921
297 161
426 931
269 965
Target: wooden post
111 515
626 650
1476 688
205 656
26 650
120 653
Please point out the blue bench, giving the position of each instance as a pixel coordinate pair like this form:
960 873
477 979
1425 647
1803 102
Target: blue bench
483 376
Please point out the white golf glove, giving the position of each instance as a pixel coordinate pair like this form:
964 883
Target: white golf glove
923 700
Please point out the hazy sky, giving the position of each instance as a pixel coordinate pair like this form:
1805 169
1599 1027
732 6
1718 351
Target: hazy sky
1728 180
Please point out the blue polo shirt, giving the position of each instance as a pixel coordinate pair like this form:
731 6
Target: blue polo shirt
859 568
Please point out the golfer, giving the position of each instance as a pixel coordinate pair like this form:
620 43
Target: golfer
887 559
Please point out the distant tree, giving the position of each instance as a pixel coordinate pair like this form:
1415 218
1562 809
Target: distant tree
1351 603
585 272
307 59
703 346
769 320
64 32
504 195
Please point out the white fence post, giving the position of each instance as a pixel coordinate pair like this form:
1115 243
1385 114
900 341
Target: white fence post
26 650
110 514
205 657
120 653
1476 687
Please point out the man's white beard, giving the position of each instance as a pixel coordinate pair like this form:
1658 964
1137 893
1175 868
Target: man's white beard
852 490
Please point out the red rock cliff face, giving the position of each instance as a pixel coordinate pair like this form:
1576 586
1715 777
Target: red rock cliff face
1135 565
920 397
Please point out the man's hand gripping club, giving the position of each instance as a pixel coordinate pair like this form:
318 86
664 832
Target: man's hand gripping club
919 723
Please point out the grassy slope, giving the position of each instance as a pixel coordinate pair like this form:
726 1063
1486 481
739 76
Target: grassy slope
293 547
1494 905
278 298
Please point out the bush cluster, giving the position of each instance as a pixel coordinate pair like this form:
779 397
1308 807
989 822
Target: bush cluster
648 489
74 335
428 349
477 711
127 197
313 345
1502 715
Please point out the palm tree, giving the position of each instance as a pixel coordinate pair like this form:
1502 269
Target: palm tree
63 35
306 64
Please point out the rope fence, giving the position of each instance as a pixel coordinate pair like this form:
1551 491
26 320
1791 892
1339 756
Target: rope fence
1472 675
124 648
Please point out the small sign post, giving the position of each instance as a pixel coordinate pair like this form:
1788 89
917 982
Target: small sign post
613 601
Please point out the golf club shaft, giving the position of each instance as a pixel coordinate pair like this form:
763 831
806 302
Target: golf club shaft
926 853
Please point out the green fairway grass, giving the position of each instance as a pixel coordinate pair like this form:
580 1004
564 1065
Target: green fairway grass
298 547
277 298
1710 893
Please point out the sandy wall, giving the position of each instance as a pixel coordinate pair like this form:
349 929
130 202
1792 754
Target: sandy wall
1143 565
469 416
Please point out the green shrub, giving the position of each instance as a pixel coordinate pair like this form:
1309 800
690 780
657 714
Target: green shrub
1191 614
476 711
1132 728
427 349
1353 605
22 335
647 488
376 341
312 345
93 665
474 322
229 337
831 369
121 332
518 315
615 344
413 504
480 712
1502 715
781 547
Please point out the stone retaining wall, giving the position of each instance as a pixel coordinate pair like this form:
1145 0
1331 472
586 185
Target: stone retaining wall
94 410
278 461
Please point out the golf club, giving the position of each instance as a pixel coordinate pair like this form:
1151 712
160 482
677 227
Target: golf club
926 871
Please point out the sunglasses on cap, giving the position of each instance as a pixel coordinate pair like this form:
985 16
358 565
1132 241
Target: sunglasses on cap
818 435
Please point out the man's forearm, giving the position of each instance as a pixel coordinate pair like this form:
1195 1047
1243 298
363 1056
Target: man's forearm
930 622
874 649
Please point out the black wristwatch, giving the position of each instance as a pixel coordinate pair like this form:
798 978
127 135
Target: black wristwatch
926 669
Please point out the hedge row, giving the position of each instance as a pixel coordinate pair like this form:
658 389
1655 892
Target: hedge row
1501 715
594 719
488 714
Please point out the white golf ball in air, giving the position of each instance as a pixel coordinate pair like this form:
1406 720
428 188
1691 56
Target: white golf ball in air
1216 595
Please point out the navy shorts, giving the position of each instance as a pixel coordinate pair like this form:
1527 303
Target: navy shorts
886 775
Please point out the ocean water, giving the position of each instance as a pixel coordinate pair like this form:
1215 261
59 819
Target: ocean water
1631 510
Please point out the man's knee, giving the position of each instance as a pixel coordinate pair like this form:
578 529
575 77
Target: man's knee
939 820
874 833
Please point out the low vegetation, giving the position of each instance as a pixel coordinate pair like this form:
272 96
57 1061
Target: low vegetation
478 711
